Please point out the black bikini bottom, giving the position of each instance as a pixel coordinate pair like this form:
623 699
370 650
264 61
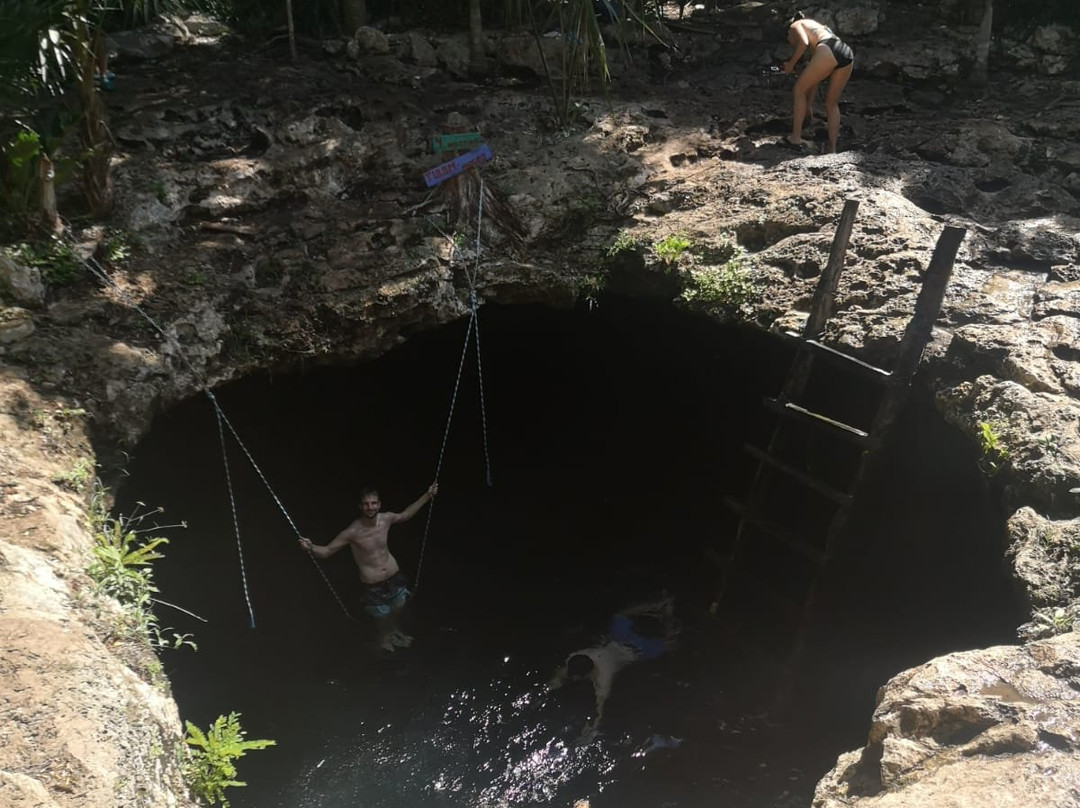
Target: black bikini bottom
843 52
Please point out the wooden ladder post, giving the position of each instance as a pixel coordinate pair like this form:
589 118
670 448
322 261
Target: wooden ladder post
823 303
821 308
916 337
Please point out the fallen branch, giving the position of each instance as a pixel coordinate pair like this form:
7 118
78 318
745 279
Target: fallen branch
238 229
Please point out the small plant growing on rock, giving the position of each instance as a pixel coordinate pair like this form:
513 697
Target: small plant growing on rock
54 258
122 569
1051 621
994 451
590 287
116 248
624 242
670 248
77 477
208 758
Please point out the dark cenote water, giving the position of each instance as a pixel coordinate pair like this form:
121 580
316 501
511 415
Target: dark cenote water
613 435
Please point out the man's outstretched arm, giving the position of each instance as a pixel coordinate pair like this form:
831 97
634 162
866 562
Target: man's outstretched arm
326 550
414 509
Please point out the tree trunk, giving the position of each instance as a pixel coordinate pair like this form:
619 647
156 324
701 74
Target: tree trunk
94 137
355 14
477 53
50 217
292 30
979 75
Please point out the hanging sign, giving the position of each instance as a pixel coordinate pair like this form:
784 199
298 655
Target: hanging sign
457 165
456 142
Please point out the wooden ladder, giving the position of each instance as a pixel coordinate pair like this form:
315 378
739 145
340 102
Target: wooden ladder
790 462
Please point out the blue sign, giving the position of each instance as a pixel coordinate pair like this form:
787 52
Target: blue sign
457 165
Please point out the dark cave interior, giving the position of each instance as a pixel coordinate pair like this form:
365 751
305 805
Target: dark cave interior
614 434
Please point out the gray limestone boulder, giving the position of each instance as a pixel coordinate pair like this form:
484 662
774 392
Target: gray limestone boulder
998 726
15 324
418 50
858 20
371 40
21 283
143 44
453 54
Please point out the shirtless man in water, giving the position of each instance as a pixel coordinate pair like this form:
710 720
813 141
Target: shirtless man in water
830 59
385 589
620 646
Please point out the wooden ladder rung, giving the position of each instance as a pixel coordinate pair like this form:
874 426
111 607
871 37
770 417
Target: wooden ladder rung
865 368
839 497
778 532
815 419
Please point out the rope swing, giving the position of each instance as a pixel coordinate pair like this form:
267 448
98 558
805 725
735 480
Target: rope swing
99 272
473 328
472 337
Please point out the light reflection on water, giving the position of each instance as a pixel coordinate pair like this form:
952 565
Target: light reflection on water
492 747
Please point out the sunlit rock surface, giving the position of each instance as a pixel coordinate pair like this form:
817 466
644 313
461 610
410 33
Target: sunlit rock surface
999 726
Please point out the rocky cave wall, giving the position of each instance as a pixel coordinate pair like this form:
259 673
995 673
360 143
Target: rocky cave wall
278 218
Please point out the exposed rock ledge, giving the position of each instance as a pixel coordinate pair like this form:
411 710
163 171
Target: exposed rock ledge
344 266
999 726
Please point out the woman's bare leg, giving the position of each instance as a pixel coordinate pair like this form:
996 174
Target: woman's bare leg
821 65
837 83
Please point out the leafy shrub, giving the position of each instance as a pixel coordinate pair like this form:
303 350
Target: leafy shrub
55 258
728 285
208 760
671 248
624 242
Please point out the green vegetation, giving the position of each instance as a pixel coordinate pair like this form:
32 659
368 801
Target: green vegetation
624 242
77 477
591 287
208 758
729 287
1051 621
116 247
54 257
670 248
725 283
994 451
122 568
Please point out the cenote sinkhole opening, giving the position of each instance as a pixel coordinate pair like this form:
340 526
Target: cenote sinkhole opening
614 434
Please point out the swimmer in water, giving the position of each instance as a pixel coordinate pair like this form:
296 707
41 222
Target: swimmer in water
622 645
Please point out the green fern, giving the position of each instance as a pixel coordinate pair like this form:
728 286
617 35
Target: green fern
208 765
994 451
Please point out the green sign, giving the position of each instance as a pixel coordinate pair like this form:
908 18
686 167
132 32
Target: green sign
458 142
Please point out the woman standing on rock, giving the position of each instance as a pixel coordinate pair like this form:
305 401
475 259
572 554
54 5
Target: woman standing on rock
830 59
